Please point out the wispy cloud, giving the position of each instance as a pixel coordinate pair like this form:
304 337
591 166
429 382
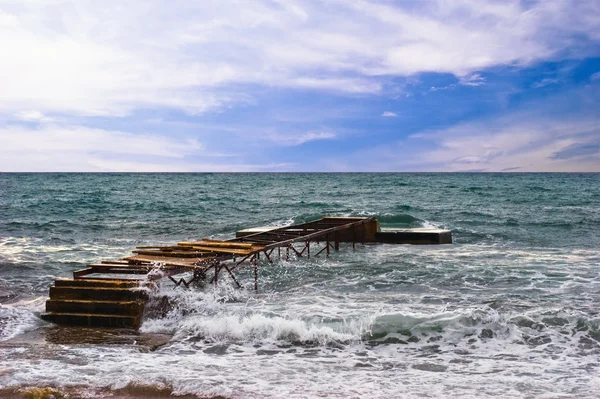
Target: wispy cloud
299 139
74 148
91 85
196 56
544 82
493 146
68 148
472 80
533 139
33 116
579 150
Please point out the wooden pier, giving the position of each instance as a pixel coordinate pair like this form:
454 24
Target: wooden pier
112 293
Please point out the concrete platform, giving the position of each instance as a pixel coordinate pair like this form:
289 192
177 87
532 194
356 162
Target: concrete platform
39 338
95 303
421 236
93 320
418 236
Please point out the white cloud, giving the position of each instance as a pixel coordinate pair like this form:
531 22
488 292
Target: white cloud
472 80
100 164
388 114
50 147
526 144
515 142
545 82
92 57
534 139
294 140
75 148
595 76
33 116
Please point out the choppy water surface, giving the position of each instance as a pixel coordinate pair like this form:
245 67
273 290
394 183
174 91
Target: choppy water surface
511 309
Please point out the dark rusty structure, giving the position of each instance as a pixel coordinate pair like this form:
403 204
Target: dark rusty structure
113 293
107 294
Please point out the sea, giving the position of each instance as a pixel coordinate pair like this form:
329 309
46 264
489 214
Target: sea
510 309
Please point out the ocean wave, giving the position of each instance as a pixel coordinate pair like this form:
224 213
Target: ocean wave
486 323
16 320
225 315
221 320
400 220
261 328
21 250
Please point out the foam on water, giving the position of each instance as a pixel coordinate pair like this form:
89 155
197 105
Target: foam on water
509 310
20 317
475 353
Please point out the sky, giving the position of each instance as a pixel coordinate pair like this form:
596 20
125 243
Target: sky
299 86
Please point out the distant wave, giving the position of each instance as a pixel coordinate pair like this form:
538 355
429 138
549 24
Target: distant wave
486 323
400 220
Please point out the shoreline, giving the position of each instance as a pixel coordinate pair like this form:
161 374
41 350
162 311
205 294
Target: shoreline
81 392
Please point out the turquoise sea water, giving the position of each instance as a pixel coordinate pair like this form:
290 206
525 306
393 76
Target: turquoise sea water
511 309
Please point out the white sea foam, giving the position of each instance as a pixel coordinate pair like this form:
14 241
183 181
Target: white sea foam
244 344
19 250
17 318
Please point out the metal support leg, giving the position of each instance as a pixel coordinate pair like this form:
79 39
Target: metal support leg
217 269
232 276
255 275
268 255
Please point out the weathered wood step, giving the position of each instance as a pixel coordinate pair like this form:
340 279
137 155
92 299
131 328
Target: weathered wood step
97 293
93 320
97 283
192 253
122 308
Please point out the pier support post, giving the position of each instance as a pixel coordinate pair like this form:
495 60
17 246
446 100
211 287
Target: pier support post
216 279
255 262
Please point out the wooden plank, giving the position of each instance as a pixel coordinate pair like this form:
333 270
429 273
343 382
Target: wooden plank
114 262
262 242
176 254
82 272
166 247
120 271
120 266
218 244
232 250
183 262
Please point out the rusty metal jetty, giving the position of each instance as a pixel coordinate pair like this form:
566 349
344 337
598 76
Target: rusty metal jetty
107 294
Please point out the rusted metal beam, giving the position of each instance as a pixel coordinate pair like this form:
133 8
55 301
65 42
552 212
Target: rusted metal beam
320 234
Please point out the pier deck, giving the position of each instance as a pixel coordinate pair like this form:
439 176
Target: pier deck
101 294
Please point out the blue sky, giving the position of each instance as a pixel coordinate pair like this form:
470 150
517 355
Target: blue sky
337 85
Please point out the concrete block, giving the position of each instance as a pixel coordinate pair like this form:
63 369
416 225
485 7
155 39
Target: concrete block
421 236
96 293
